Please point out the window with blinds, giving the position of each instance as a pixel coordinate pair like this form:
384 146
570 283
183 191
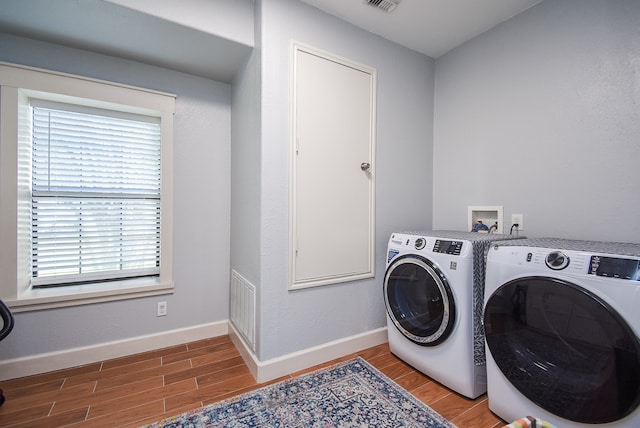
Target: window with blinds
95 195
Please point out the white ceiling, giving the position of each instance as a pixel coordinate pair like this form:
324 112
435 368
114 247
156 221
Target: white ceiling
432 27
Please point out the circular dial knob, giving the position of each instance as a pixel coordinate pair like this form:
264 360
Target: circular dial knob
420 243
557 260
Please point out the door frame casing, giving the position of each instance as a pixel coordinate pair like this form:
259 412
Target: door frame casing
296 48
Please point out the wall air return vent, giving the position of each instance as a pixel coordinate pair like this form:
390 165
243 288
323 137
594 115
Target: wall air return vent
386 5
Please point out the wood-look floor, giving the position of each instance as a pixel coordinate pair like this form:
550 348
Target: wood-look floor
143 388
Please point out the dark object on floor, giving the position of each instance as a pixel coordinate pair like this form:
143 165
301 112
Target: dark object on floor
7 326
7 320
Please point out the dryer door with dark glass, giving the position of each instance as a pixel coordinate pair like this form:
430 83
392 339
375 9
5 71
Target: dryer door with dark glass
564 348
419 300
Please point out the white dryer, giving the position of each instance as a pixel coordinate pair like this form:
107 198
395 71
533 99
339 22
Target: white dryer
562 321
433 293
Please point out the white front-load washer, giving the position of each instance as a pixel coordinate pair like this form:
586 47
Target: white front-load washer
433 292
562 321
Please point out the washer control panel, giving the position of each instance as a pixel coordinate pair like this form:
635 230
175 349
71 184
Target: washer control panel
615 267
447 247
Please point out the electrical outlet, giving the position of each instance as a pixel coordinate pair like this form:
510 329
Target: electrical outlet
162 309
517 219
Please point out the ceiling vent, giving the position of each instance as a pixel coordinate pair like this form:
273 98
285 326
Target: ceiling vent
386 5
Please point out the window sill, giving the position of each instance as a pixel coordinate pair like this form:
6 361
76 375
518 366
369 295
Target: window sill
74 295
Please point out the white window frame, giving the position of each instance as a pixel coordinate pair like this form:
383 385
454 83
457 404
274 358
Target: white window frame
19 83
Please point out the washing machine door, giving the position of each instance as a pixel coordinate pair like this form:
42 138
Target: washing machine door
564 348
419 300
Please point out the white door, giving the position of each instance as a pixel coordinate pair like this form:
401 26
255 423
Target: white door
332 230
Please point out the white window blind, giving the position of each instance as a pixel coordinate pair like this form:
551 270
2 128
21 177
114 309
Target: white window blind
95 196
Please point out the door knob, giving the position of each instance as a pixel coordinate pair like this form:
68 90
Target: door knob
365 166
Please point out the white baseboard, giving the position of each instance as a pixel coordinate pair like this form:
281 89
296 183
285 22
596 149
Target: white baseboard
264 371
41 363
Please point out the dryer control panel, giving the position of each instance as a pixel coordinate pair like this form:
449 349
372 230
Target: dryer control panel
615 267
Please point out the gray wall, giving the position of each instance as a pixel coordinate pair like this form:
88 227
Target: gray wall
201 213
295 320
227 19
542 115
245 171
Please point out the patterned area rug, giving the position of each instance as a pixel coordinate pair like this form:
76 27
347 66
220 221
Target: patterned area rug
349 394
